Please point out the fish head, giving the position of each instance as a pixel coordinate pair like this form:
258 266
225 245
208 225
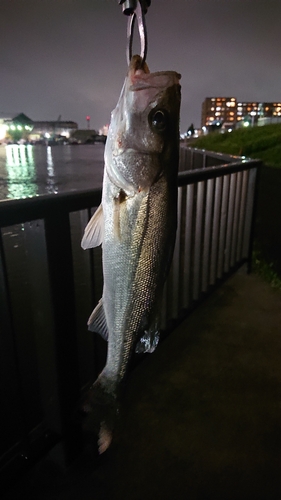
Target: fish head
143 135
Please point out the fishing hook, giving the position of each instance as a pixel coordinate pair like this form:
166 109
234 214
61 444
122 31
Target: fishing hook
136 9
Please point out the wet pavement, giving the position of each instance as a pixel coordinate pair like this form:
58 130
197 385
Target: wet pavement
201 416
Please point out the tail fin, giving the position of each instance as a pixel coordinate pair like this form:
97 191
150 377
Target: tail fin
100 410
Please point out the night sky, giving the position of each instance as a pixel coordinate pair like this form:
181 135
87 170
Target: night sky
67 57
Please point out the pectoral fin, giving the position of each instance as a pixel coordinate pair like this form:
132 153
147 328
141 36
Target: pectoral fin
94 231
97 321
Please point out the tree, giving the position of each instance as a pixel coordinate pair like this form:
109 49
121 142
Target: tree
191 130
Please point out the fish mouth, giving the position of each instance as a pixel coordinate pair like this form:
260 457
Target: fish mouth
141 78
138 66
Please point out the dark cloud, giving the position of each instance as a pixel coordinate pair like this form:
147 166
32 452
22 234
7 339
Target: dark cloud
68 56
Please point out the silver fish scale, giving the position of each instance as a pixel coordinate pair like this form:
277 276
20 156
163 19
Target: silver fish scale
134 263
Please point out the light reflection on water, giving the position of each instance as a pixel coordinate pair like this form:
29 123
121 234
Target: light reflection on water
51 173
27 171
21 171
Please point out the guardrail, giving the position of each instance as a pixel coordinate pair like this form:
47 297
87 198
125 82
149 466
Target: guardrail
49 285
216 207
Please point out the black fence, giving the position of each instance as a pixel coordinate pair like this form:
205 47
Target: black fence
49 286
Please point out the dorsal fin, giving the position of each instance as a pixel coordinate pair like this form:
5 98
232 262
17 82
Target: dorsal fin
97 321
94 231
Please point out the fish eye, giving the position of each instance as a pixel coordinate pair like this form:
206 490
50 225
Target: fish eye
159 120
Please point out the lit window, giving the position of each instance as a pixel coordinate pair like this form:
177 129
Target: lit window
218 108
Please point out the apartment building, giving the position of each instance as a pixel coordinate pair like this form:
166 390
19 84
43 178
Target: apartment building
218 109
230 111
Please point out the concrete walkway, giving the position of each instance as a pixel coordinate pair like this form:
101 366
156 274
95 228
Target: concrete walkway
201 418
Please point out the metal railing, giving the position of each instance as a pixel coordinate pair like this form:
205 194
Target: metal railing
216 206
49 285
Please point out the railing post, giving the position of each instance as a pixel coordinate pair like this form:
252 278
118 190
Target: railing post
251 212
58 244
12 407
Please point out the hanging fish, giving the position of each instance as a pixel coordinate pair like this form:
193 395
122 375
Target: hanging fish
136 225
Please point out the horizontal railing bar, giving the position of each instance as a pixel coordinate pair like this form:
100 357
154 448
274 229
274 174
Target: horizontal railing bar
39 207
198 175
25 209
214 154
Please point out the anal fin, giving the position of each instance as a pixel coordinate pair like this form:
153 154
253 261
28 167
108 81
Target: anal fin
97 321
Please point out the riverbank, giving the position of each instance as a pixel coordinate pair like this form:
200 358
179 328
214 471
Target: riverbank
261 143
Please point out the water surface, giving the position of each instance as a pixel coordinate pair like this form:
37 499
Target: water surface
27 171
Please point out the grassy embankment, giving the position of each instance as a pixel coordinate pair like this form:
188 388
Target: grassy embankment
263 143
